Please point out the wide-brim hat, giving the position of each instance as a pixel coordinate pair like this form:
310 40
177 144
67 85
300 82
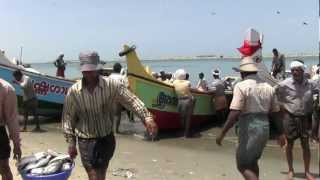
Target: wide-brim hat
247 64
89 61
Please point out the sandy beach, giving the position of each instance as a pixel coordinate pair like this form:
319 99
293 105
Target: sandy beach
172 157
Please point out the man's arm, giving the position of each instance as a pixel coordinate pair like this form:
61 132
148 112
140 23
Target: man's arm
315 114
69 118
24 81
231 120
236 106
134 104
10 115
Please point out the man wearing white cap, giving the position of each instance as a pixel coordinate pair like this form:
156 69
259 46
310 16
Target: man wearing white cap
87 116
253 100
185 100
295 96
220 101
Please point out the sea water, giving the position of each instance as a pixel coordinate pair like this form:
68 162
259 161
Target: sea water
192 66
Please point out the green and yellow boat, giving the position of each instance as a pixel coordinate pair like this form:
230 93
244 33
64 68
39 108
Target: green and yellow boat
160 98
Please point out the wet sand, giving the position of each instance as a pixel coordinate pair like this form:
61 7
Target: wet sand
172 157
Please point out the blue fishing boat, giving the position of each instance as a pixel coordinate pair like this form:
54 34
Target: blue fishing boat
50 90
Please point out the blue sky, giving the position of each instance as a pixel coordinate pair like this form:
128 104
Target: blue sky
159 28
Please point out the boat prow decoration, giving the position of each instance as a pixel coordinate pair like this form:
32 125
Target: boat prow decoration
160 98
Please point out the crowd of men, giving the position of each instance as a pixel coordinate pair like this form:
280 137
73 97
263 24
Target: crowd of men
92 104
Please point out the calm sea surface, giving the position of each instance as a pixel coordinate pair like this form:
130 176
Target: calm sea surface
193 67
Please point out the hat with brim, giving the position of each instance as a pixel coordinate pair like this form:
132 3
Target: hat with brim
247 64
89 61
89 67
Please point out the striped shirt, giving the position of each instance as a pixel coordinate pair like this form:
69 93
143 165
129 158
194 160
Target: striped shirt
89 115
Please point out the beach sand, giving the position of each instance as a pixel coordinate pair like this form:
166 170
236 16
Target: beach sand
172 157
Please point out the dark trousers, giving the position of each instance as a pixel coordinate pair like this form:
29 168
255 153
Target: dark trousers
96 152
185 108
4 144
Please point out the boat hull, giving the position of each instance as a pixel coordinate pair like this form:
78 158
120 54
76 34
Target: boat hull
50 90
160 98
162 101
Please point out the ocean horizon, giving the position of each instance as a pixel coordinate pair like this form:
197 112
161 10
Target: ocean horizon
192 66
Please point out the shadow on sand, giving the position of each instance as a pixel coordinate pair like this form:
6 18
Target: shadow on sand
301 175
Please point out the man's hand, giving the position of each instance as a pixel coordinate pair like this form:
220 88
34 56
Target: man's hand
72 151
152 128
17 152
219 139
282 141
15 81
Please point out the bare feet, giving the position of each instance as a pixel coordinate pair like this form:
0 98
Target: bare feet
290 175
309 176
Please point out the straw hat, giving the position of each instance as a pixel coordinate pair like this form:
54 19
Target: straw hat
247 64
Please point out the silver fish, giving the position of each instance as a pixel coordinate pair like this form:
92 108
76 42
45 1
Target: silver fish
40 163
66 166
53 167
25 161
52 153
30 159
37 171
62 157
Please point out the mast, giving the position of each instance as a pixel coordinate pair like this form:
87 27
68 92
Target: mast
20 59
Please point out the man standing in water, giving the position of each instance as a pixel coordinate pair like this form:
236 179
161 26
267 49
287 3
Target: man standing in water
30 102
60 65
278 68
8 114
185 100
296 101
253 100
87 115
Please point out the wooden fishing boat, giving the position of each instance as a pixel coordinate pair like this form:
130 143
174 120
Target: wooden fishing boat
160 98
50 90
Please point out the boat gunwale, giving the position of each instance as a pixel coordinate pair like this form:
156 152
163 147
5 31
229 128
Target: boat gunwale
39 74
194 91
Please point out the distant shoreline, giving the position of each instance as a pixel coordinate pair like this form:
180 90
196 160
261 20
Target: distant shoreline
183 59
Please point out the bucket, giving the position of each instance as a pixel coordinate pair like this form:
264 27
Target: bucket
64 175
